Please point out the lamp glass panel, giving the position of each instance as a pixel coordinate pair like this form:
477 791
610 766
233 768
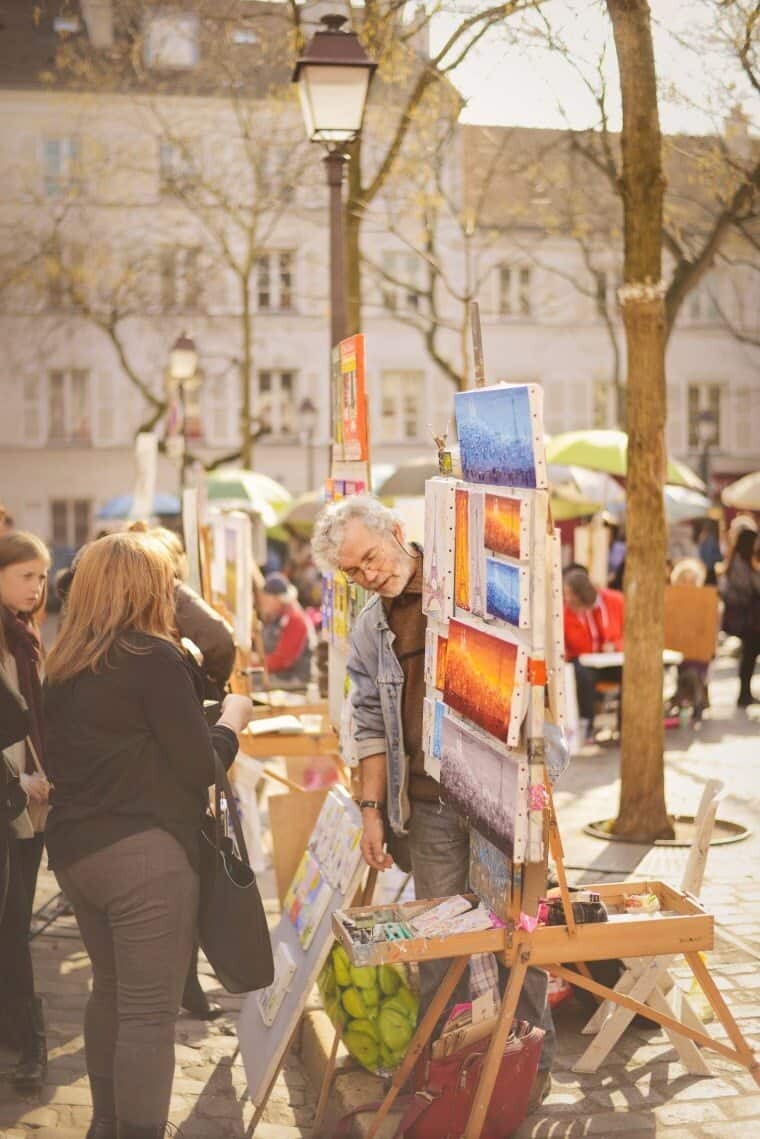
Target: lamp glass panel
332 101
182 363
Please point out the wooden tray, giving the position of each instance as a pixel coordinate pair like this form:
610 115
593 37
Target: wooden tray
681 926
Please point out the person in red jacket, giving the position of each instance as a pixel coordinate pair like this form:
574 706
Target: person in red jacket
593 624
288 634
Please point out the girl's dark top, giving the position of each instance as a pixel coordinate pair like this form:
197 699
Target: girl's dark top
24 645
14 714
128 749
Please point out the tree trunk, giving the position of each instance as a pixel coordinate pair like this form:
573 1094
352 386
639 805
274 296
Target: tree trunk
642 813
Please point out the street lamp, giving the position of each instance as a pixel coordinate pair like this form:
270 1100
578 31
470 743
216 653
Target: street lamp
183 413
333 77
308 415
707 434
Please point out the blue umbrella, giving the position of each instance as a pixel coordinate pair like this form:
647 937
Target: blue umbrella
121 506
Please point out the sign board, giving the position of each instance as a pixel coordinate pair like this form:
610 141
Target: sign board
691 620
327 878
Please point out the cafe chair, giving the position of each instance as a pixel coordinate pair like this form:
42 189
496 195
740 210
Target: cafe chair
647 979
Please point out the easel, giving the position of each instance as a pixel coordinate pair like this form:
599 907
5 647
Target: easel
680 927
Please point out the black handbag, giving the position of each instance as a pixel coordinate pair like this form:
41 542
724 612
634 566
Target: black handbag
13 797
232 924
736 619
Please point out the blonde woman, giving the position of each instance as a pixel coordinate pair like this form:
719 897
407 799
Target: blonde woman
24 562
131 758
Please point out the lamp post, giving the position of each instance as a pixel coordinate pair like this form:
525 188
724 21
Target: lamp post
707 433
308 416
333 77
184 381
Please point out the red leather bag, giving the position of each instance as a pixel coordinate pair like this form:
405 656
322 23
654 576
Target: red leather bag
449 1084
444 1090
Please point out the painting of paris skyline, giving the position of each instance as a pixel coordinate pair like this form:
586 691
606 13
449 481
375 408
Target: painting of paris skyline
481 783
499 439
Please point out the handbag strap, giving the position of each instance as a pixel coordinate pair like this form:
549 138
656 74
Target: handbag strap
222 786
414 1107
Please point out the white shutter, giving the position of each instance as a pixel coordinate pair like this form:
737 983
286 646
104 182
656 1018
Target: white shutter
104 431
31 414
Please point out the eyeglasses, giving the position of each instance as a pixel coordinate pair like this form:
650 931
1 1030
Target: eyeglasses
371 560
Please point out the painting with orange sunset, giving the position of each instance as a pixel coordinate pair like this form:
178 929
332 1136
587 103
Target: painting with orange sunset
502 525
462 550
480 678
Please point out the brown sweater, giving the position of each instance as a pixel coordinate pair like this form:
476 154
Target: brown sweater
407 621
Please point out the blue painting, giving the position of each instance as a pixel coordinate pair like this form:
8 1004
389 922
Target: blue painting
497 436
503 591
438 713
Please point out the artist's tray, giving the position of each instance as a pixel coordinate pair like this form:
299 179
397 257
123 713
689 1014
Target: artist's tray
417 948
680 926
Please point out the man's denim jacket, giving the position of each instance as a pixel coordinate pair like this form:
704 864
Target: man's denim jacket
377 684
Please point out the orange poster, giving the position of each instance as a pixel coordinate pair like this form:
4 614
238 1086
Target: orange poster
353 399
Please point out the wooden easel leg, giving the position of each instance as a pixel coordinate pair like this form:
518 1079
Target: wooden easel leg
420 1039
723 1013
496 1048
327 1080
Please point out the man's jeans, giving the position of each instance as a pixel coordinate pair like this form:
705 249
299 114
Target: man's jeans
439 846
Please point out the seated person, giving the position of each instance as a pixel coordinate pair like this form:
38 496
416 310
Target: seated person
593 624
289 637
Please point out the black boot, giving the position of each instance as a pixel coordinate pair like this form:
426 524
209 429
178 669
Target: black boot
194 1000
31 1069
103 1124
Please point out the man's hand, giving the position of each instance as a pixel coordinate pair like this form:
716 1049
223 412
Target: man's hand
373 840
36 786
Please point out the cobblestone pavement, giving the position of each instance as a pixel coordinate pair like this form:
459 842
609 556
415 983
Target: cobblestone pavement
640 1092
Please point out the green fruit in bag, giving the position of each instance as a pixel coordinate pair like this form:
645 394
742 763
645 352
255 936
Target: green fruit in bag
363 976
367 1027
389 980
326 981
362 1047
395 1004
342 966
353 1003
371 997
395 1029
409 1001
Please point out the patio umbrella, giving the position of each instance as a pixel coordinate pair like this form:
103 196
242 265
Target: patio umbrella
248 490
744 494
409 478
301 514
682 504
121 506
608 451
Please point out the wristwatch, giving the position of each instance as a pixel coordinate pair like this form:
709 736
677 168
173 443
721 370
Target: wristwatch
373 803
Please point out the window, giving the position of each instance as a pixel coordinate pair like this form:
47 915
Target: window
171 40
65 276
70 521
61 166
514 288
31 419
400 286
402 399
275 406
176 166
744 419
221 409
274 281
701 306
703 397
69 406
180 279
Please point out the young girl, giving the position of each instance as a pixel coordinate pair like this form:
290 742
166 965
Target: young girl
24 562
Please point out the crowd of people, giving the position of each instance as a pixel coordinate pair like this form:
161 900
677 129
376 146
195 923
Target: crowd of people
110 728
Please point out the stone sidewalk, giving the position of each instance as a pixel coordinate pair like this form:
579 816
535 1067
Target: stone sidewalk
642 1090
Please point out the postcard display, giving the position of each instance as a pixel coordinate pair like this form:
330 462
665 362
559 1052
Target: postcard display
327 877
494 663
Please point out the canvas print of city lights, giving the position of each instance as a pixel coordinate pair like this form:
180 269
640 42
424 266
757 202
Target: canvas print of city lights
499 438
507 593
482 676
506 525
480 782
